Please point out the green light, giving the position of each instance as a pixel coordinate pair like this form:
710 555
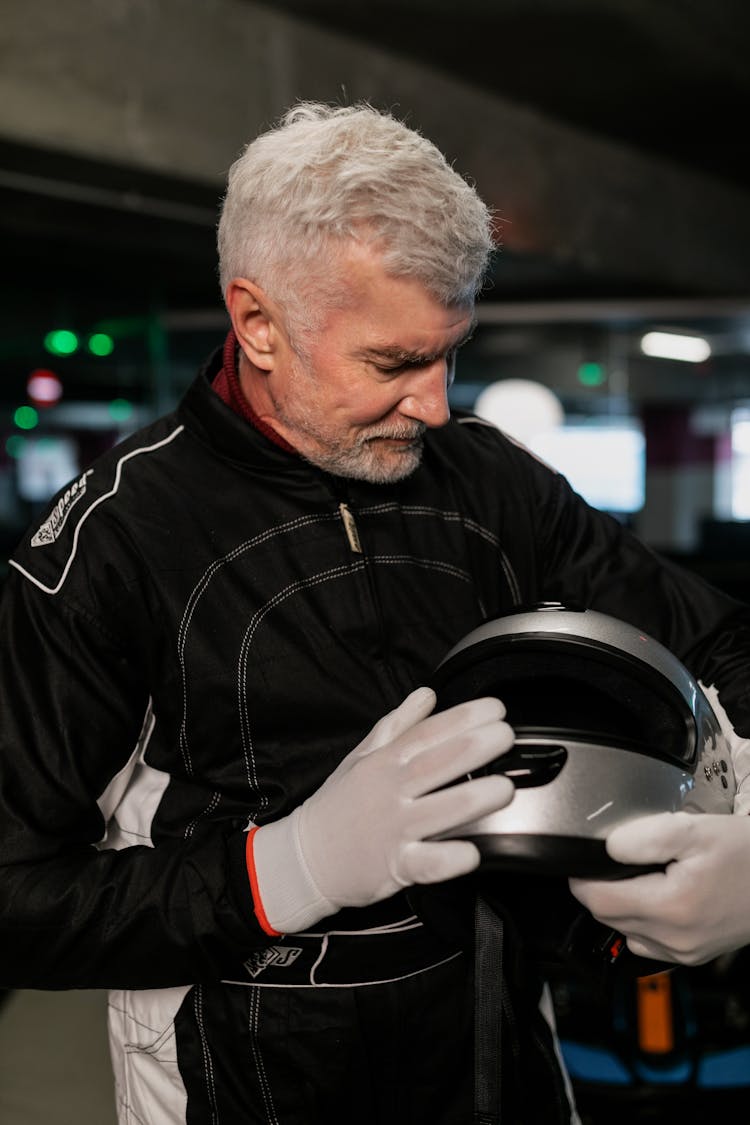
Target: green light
26 418
591 374
101 344
120 409
61 342
14 445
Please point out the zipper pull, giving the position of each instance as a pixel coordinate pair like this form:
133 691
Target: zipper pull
350 528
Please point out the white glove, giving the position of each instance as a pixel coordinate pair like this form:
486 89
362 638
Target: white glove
739 749
366 833
695 910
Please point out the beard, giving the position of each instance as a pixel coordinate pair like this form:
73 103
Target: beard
373 458
369 456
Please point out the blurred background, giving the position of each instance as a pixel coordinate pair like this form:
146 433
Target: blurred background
609 136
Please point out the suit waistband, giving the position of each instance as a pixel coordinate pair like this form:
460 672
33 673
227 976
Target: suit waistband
346 958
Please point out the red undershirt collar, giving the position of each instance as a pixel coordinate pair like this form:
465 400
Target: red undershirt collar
227 386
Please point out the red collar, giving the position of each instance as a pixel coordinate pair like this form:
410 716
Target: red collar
227 386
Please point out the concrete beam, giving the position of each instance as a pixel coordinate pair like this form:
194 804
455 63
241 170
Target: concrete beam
177 87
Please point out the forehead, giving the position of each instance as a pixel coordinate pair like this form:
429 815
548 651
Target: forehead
386 313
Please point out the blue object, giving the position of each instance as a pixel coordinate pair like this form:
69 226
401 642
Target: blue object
725 1069
594 1064
677 1074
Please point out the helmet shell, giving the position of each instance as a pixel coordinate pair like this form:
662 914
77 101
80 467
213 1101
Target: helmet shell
609 726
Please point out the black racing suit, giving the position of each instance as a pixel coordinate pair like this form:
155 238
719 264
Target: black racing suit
192 640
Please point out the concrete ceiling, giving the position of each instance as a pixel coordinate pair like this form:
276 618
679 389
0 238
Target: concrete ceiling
670 80
665 80
670 77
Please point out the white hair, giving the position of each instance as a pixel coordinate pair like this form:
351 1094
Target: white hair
327 174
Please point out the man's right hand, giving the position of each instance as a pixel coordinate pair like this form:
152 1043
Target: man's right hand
370 829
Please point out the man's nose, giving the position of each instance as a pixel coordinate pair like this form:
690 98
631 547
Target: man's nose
426 398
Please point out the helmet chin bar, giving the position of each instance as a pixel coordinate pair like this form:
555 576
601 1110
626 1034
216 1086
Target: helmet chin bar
554 855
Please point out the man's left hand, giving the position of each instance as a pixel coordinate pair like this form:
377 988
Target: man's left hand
696 909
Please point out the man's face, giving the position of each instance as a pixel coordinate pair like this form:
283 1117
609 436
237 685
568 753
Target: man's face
372 380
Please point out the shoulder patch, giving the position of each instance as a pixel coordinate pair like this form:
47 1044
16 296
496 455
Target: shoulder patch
62 528
55 522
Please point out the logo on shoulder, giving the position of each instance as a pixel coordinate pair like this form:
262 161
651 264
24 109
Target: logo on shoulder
57 519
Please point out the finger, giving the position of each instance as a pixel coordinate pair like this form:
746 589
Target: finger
449 809
651 839
450 724
457 756
651 950
414 709
623 904
431 862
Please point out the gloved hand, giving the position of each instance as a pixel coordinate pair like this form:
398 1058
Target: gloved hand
366 833
695 910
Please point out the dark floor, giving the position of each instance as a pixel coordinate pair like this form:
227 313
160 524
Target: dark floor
54 1070
54 1061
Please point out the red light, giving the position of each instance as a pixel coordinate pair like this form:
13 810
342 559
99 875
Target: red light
616 948
44 387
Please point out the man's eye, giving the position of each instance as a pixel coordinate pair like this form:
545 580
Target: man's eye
416 364
391 370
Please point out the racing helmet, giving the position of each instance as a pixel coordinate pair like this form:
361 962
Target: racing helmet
609 726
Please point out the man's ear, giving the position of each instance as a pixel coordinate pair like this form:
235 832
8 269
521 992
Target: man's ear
253 322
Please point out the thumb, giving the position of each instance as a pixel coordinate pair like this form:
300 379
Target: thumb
417 706
650 839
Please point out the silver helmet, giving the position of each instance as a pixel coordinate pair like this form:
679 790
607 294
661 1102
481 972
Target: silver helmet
609 726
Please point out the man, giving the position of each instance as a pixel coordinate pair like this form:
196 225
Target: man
221 769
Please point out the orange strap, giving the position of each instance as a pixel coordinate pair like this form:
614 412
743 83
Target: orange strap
655 1014
260 913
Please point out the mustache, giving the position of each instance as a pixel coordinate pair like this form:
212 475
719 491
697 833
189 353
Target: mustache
396 433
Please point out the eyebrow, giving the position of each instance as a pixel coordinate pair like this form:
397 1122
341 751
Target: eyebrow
403 356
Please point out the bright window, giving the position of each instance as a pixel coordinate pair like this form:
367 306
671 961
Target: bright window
603 461
741 464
